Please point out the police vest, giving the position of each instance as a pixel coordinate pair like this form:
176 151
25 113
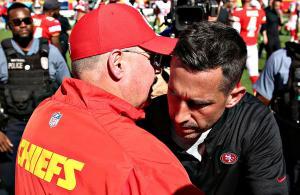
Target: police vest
28 80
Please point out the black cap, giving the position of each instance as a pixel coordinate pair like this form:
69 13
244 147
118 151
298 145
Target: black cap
51 4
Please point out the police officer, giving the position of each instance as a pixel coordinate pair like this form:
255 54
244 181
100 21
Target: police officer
30 70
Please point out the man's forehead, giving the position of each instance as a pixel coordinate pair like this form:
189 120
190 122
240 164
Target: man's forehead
189 83
19 11
192 95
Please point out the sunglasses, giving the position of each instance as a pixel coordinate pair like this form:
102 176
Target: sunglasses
18 21
155 59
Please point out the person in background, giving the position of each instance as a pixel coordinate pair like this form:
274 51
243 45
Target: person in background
292 24
46 26
248 20
81 8
93 145
30 70
223 13
3 14
161 8
65 29
272 27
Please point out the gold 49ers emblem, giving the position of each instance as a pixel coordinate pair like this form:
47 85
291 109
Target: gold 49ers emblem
45 164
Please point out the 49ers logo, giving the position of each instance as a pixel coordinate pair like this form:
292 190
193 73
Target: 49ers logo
228 158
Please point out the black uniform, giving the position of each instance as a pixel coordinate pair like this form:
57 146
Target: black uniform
64 36
243 152
271 26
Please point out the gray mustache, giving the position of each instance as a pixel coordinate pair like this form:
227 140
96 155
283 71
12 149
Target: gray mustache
190 125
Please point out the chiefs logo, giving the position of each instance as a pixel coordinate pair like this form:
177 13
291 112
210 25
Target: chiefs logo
228 158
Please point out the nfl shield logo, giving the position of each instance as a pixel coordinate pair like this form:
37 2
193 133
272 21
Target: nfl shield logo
55 119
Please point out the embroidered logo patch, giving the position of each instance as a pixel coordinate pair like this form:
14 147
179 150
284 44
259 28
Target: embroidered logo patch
55 118
228 158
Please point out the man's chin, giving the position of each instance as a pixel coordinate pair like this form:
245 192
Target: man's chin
23 41
189 134
192 136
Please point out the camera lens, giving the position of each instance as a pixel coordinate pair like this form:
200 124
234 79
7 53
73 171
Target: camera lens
186 15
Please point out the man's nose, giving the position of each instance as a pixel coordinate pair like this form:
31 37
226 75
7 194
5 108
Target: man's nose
182 114
23 24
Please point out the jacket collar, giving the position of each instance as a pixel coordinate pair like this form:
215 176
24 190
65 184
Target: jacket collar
86 96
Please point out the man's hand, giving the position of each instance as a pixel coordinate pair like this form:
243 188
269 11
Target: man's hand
5 144
265 37
55 41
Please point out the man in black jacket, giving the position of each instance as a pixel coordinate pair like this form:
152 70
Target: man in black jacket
226 139
272 26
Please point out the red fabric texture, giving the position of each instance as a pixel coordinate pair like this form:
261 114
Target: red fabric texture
98 130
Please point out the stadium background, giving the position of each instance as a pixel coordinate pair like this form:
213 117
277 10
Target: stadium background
245 78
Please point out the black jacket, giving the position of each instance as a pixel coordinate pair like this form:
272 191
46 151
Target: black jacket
248 132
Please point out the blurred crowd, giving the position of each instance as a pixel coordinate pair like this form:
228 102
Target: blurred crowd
157 12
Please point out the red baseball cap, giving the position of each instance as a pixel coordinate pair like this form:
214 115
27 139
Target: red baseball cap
115 26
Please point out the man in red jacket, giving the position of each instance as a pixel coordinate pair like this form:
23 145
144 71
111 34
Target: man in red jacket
84 140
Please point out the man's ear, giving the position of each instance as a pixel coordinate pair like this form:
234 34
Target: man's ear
235 96
114 64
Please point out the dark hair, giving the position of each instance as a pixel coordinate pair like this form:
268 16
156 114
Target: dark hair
16 5
274 1
210 45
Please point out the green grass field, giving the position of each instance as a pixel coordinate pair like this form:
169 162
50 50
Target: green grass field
4 34
245 78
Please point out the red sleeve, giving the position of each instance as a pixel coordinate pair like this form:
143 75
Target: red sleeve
53 25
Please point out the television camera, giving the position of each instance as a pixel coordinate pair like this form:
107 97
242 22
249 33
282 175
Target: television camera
186 12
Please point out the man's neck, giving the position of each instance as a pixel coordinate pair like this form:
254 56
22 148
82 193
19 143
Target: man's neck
25 46
47 13
247 5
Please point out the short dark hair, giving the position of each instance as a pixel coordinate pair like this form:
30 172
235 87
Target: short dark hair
16 5
210 45
274 1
